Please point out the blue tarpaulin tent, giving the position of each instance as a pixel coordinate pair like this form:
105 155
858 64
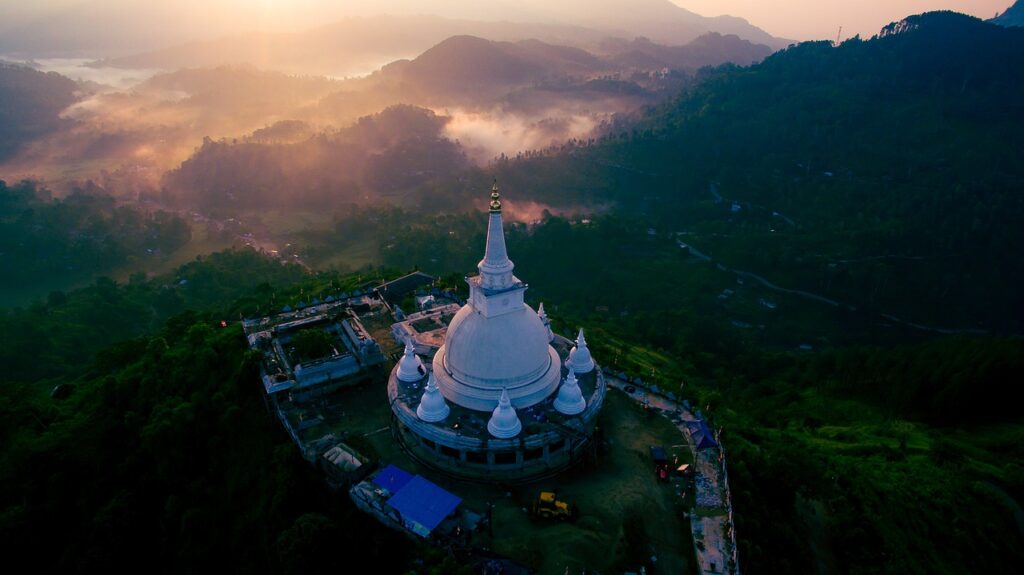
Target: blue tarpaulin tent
423 505
392 479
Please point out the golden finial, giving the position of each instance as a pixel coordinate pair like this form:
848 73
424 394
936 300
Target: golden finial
495 198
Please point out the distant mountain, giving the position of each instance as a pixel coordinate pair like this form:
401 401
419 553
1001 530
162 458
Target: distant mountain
563 59
360 45
1013 16
479 69
122 27
397 149
468 66
348 47
30 104
895 162
660 20
308 148
708 50
467 62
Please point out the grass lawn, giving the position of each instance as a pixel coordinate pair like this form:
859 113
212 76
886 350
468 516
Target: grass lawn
621 484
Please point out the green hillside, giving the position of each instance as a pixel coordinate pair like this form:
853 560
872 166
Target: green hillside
880 173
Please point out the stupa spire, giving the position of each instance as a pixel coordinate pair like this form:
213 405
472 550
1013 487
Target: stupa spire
409 366
544 319
504 423
570 399
432 405
580 359
495 269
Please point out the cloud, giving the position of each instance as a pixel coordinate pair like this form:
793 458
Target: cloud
487 134
529 212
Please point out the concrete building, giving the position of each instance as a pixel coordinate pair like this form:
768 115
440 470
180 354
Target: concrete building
353 352
293 380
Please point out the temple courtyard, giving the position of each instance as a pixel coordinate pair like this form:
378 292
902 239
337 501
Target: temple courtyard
623 509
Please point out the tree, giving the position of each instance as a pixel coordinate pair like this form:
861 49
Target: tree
312 344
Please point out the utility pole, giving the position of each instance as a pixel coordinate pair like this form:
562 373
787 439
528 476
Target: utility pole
839 35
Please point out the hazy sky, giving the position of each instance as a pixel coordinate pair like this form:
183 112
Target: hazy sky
821 19
793 19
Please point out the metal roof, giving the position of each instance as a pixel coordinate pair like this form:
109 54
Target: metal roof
392 479
423 503
407 283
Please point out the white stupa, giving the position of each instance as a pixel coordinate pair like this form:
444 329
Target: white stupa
504 423
570 399
410 366
579 359
547 322
498 357
496 343
432 406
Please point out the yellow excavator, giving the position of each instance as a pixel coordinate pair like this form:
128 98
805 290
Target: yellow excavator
547 505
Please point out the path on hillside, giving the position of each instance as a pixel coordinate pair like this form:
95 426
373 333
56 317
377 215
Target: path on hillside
713 189
713 535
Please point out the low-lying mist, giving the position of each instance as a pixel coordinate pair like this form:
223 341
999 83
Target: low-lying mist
488 134
240 137
532 212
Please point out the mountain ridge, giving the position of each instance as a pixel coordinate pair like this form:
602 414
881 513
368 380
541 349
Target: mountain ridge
356 46
878 146
111 28
1012 16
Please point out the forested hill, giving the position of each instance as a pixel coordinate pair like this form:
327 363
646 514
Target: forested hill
933 103
880 173
47 242
400 146
30 105
1013 16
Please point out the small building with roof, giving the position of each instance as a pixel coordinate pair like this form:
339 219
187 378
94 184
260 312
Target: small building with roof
423 505
343 465
396 289
409 503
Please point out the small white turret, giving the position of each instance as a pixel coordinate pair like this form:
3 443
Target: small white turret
504 423
432 406
544 319
580 360
570 399
410 366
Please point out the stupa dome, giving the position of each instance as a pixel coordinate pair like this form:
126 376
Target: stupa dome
481 356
